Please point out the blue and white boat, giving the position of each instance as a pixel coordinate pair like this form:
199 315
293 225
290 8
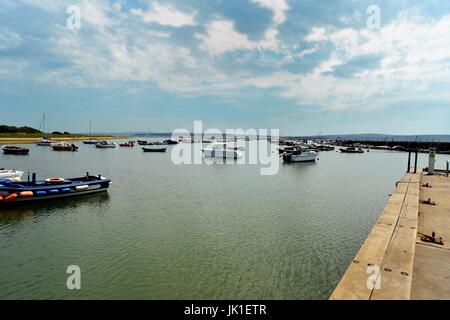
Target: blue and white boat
32 191
105 145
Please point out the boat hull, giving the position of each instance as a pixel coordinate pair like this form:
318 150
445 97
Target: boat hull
58 196
154 149
300 157
64 147
105 146
22 151
351 151
90 141
43 190
44 144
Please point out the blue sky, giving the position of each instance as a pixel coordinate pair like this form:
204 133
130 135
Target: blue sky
305 67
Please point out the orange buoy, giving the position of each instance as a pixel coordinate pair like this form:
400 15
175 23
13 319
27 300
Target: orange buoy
26 194
10 198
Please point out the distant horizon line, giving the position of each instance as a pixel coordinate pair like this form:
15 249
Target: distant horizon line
283 135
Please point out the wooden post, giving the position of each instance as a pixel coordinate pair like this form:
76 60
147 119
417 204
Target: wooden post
409 161
415 161
446 169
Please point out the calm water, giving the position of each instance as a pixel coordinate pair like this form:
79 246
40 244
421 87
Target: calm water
194 231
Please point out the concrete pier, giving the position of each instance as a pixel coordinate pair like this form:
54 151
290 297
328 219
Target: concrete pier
406 255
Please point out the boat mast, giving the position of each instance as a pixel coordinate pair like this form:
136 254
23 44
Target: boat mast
42 125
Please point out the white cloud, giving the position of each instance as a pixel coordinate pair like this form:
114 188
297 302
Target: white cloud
9 39
413 51
328 66
277 6
49 5
98 57
95 13
12 67
416 61
165 15
317 34
221 37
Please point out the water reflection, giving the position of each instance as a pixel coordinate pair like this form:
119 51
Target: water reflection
28 211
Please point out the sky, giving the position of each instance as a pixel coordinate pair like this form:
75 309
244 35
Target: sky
305 67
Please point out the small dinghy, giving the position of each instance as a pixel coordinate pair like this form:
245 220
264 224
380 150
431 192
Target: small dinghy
33 191
142 142
10 174
105 145
15 150
154 149
64 146
129 144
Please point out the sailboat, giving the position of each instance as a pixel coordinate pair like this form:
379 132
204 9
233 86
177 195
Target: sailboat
90 140
45 141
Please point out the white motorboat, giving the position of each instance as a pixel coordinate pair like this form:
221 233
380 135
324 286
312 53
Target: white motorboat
44 142
221 150
105 145
10 174
300 156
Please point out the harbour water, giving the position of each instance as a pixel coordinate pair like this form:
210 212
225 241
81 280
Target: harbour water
168 231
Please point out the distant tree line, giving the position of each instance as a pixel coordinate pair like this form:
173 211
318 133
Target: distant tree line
25 129
14 129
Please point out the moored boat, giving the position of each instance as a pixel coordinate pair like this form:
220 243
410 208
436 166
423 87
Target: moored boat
221 150
128 144
90 141
105 145
44 142
30 191
10 174
299 155
142 142
15 150
170 141
64 146
154 149
351 150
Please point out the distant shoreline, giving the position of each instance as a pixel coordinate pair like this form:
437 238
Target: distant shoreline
30 140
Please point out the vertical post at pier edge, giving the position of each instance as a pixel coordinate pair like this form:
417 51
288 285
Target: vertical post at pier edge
415 161
446 169
409 161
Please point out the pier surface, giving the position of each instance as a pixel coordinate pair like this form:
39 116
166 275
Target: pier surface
395 263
